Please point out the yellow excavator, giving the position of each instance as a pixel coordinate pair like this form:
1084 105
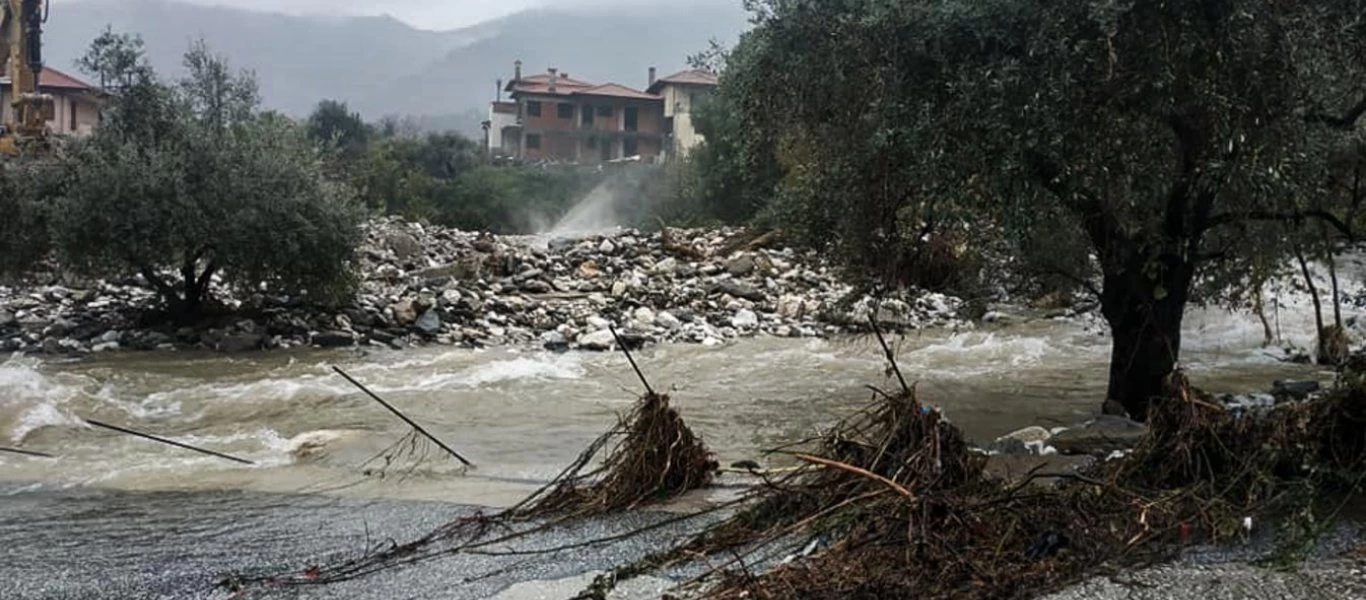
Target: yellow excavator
21 55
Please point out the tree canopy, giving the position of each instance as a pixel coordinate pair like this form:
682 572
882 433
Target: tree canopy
187 183
1138 144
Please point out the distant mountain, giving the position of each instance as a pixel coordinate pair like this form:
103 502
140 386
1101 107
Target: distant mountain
382 66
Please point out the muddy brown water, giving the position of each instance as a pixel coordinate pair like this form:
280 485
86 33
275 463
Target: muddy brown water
519 415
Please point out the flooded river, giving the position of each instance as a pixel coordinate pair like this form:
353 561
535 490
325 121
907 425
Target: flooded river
112 506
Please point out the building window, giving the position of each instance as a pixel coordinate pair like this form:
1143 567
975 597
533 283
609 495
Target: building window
632 120
566 111
628 146
533 108
604 111
533 141
587 115
73 116
592 142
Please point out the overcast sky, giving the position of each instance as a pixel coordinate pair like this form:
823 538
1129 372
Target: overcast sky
424 14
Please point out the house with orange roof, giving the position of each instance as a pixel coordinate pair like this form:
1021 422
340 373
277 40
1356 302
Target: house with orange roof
554 117
76 103
682 93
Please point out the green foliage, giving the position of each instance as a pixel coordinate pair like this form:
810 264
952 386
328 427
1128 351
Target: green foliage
24 239
1161 138
334 125
190 183
116 60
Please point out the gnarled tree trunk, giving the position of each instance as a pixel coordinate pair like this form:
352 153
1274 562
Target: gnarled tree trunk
1145 327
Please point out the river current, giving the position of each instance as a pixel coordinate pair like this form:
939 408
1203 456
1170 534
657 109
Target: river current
520 415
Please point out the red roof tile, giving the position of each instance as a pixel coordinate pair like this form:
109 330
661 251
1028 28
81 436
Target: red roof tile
688 77
616 91
540 84
52 78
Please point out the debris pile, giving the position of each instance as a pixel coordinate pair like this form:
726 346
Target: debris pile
895 503
423 284
650 457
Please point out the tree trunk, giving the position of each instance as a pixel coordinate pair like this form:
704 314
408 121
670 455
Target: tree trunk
1145 327
1318 306
1337 302
1259 307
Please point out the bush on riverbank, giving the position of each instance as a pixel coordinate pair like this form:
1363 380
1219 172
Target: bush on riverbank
187 186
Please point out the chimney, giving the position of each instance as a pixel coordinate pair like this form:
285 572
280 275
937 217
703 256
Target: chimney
553 76
652 77
517 71
498 90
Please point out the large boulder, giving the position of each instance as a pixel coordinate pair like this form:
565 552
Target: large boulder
1294 390
241 342
597 340
429 323
405 312
740 266
334 339
403 245
1099 436
738 290
745 319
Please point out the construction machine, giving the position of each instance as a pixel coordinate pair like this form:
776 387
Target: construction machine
21 54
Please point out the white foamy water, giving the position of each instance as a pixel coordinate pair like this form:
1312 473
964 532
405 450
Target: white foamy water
30 400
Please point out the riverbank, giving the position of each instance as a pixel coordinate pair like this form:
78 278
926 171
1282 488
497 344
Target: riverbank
426 285
83 553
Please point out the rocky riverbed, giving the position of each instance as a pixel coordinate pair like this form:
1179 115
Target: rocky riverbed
431 285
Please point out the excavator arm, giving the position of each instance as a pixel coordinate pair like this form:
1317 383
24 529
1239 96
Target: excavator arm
21 54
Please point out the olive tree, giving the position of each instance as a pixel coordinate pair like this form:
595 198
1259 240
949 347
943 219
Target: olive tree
1147 141
190 183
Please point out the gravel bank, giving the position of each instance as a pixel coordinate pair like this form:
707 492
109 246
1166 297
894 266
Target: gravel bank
431 285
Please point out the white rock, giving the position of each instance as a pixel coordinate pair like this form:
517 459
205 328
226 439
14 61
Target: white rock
607 247
1033 433
598 323
644 315
598 340
745 319
666 266
666 320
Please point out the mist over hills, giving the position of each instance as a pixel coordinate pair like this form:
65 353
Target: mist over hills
382 66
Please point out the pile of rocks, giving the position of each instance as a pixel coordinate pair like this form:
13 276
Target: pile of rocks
431 285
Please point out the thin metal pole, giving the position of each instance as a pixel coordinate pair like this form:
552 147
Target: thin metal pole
887 351
631 360
26 452
405 418
168 442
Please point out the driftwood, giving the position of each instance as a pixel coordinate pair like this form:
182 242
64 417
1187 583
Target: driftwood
750 240
676 248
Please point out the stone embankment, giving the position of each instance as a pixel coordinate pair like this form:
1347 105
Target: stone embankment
430 285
